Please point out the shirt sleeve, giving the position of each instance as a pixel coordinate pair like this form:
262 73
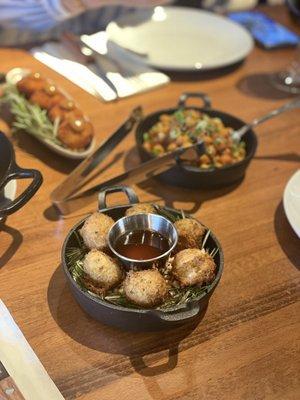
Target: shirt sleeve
37 15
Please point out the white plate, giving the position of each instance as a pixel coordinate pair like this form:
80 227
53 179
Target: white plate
16 74
10 190
9 194
181 39
291 202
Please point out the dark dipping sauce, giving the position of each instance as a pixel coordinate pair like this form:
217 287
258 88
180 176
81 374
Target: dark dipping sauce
142 245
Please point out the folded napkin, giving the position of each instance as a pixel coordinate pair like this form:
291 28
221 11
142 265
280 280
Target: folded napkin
127 73
18 360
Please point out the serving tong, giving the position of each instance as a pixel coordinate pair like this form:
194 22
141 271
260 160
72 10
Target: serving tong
67 197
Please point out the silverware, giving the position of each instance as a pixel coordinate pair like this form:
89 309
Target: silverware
86 55
147 170
238 134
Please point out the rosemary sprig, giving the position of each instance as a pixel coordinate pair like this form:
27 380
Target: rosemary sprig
173 217
182 296
29 117
205 239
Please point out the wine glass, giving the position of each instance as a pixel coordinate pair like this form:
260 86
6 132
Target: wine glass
288 79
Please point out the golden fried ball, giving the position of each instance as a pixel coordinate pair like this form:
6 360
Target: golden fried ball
190 233
146 288
31 83
102 269
65 108
46 97
95 229
193 266
75 133
141 208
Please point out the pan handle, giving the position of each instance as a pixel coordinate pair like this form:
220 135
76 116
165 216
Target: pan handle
180 315
130 193
199 95
20 173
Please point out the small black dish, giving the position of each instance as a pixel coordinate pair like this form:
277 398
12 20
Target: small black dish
189 176
134 319
10 170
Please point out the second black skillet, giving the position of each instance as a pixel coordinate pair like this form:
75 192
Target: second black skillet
189 176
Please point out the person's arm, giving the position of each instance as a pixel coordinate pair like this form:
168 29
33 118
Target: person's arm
33 14
41 15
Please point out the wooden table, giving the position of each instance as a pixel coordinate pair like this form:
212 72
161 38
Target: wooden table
247 345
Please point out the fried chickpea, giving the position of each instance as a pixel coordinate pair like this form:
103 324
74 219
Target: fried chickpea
225 132
189 121
172 146
147 146
165 118
158 149
204 159
207 140
226 159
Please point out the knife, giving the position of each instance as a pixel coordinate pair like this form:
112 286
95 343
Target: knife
76 46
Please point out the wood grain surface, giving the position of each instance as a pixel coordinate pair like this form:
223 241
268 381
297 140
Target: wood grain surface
247 345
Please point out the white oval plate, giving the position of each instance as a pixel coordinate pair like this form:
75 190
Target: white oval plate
8 194
291 202
10 190
181 39
12 77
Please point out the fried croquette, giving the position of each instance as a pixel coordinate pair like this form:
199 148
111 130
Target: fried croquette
65 108
146 288
75 133
102 269
95 229
141 208
190 233
47 97
193 266
31 83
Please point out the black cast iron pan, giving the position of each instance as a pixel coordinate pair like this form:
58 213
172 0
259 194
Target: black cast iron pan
128 318
192 177
10 170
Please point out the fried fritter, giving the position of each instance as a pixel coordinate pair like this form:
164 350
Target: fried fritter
103 270
146 288
31 83
75 133
193 266
66 108
95 229
141 208
190 233
47 97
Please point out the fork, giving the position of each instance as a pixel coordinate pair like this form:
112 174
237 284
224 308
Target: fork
238 134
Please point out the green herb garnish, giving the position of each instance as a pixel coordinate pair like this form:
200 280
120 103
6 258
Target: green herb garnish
29 117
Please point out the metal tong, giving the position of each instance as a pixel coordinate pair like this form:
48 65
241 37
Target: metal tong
66 198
